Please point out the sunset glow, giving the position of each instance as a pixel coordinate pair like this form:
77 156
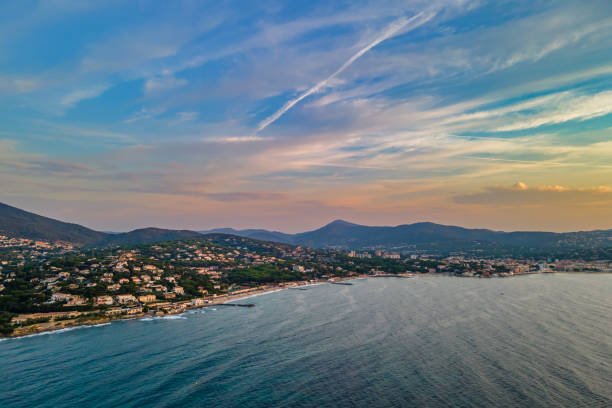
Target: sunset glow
283 116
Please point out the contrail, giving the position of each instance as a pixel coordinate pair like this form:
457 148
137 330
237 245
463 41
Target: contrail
389 32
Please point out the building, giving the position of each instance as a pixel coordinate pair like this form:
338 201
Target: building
113 311
76 300
61 297
179 290
123 299
104 300
133 310
147 298
392 256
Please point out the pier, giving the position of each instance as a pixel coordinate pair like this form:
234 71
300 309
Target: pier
237 304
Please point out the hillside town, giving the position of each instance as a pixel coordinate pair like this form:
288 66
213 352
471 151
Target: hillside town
50 285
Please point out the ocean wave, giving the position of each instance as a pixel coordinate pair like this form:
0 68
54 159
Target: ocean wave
172 317
169 317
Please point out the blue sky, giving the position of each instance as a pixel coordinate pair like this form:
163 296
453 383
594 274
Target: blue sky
286 115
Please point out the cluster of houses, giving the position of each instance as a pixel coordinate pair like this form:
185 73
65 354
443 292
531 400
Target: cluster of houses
147 277
128 281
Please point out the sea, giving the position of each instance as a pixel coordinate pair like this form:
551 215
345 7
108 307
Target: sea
427 341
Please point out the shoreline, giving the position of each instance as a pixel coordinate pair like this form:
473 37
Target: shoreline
67 325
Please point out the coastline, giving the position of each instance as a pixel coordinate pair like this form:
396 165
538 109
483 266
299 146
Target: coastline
65 325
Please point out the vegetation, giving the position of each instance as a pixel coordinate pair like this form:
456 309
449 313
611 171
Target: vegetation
263 274
6 327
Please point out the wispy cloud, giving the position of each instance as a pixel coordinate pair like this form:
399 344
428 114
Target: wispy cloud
399 24
244 196
569 108
238 139
522 195
163 84
187 116
145 113
76 96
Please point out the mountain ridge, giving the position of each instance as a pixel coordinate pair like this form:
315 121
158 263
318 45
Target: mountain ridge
338 234
15 222
428 235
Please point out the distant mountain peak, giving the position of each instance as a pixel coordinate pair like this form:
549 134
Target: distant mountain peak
341 223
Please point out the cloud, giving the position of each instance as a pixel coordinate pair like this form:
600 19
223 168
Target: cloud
238 139
244 196
546 196
76 96
520 186
399 24
579 108
187 116
18 85
145 113
419 111
55 167
163 84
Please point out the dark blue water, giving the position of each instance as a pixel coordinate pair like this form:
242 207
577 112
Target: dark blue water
427 341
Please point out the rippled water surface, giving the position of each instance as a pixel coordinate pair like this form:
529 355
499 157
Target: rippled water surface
530 341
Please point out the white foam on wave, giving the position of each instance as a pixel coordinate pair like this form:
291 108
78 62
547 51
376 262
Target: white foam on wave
172 317
169 317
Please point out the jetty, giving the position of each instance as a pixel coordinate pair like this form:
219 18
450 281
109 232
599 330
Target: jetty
237 304
390 275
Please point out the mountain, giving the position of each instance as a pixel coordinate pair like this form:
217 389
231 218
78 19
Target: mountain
423 236
427 236
344 234
260 234
22 224
144 235
18 223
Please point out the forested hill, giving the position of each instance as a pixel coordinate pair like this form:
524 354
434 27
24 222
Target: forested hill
425 236
22 224
437 238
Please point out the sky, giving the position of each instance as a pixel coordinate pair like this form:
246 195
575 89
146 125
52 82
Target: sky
287 115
